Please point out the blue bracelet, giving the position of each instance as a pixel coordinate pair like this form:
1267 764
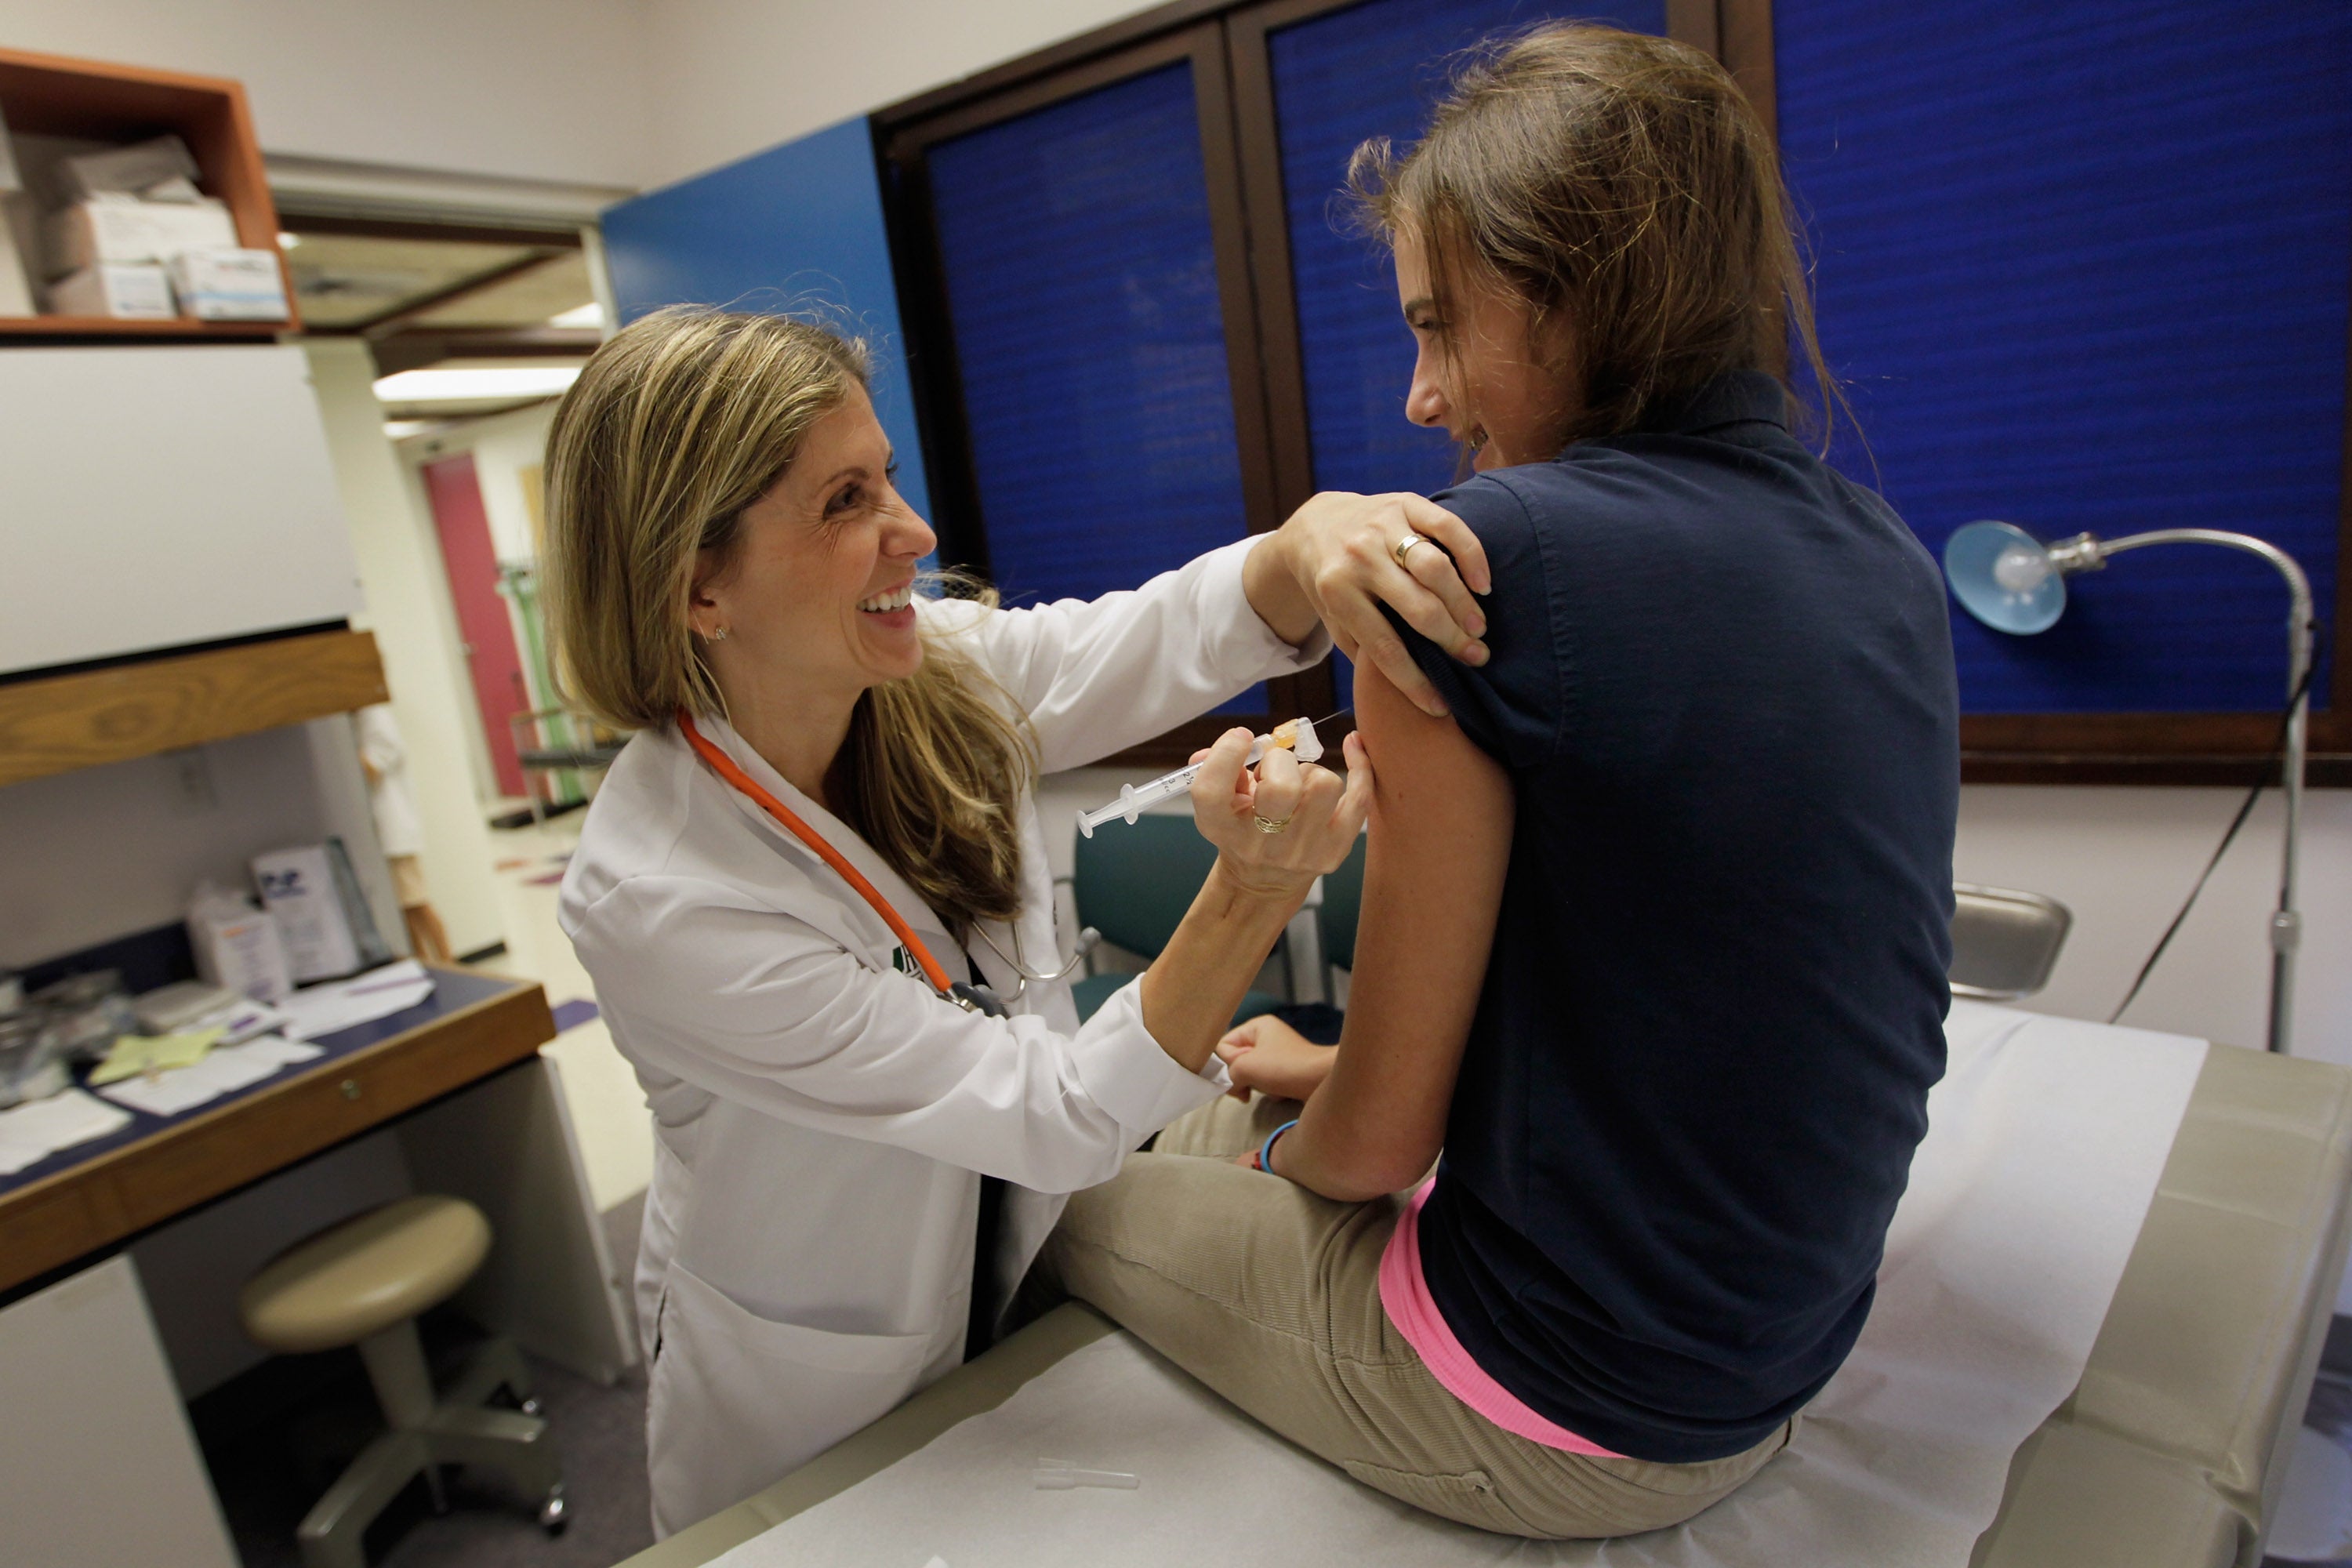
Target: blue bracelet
1266 1149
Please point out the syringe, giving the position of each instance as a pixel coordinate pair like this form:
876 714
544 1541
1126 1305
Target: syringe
1297 736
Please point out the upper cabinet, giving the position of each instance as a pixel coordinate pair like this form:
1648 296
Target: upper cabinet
157 496
53 107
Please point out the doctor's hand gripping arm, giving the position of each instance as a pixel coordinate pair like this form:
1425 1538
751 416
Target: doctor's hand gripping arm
1336 560
1275 833
1433 870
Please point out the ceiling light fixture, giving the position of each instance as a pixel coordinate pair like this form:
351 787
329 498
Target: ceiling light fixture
475 384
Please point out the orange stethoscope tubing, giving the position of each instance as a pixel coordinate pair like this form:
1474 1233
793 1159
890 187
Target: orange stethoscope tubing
725 767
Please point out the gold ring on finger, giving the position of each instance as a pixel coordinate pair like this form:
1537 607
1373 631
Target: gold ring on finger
1404 545
1265 826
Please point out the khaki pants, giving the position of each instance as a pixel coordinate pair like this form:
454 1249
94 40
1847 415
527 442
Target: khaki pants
1270 1295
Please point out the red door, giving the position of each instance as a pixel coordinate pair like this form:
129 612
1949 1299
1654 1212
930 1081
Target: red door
473 566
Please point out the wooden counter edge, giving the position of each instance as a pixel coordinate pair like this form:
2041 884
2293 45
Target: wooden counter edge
126 1190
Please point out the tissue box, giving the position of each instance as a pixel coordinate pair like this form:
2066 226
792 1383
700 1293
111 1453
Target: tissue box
135 292
230 284
297 887
238 947
123 229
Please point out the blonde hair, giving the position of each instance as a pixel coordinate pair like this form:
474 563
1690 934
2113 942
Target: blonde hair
1623 181
675 427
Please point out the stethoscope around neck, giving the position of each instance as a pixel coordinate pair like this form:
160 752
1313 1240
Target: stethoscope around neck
1022 976
964 993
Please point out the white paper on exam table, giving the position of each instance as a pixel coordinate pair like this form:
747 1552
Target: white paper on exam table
221 1071
363 999
38 1129
1988 1303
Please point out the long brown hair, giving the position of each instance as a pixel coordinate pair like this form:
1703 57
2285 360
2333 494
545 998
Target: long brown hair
1618 180
675 427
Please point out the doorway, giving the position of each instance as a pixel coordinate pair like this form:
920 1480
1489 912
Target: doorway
455 493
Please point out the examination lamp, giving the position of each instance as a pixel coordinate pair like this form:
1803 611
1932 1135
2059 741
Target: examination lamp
2013 582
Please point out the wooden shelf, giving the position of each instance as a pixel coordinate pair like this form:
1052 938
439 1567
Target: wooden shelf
55 95
61 723
121 1191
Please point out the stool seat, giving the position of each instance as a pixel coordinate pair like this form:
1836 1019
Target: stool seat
364 1274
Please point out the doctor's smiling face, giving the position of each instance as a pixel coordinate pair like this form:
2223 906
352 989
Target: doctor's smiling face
816 592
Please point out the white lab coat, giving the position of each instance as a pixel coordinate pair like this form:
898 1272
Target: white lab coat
823 1120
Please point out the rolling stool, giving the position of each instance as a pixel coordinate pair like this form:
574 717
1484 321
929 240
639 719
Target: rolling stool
363 1282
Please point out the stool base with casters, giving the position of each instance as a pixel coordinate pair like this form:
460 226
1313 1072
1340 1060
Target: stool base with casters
363 1283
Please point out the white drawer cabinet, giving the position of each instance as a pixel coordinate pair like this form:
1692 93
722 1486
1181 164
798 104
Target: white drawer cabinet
98 1467
151 497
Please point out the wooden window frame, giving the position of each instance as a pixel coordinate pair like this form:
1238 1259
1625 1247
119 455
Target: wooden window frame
904 136
1226 40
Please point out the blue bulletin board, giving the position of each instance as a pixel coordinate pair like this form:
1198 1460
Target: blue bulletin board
1081 282
793 228
2088 266
1339 78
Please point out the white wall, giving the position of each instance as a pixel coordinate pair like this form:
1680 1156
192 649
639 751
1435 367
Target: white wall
545 90
613 92
725 78
408 610
104 852
2123 859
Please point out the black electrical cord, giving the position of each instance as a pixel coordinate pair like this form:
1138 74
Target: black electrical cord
2261 782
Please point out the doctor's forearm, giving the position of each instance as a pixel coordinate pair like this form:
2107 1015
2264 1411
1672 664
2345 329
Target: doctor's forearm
1270 583
1200 977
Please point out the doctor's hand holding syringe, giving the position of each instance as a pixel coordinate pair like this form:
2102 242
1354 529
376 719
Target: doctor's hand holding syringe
1276 829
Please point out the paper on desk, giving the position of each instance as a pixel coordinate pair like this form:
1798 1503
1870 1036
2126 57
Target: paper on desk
226 1070
135 1053
1991 1293
38 1128
346 1004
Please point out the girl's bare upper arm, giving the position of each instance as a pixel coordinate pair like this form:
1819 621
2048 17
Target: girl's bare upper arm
1441 839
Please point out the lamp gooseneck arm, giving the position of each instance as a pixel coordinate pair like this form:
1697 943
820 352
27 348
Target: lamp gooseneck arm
2286 924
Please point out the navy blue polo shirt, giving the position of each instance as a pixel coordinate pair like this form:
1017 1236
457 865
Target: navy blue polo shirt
1722 684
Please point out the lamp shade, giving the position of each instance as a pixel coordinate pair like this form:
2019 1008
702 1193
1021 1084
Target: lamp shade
2003 577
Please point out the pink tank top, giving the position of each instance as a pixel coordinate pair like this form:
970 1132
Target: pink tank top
1404 1297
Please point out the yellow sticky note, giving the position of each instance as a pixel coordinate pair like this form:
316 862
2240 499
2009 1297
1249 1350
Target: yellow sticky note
134 1053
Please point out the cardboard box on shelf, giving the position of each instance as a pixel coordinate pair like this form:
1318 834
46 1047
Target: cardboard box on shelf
134 291
126 229
139 166
229 285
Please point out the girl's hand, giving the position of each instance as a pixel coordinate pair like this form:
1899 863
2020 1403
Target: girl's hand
1278 829
1341 548
1270 1057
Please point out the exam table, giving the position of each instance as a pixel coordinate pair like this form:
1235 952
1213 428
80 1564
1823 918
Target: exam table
2169 1453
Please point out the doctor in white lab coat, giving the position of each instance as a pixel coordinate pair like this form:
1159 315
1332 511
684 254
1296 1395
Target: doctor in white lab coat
725 540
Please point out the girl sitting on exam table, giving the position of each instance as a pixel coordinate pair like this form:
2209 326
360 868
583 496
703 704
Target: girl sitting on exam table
820 841
1655 927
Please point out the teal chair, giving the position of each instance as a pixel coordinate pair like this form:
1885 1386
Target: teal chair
1334 922
1133 883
